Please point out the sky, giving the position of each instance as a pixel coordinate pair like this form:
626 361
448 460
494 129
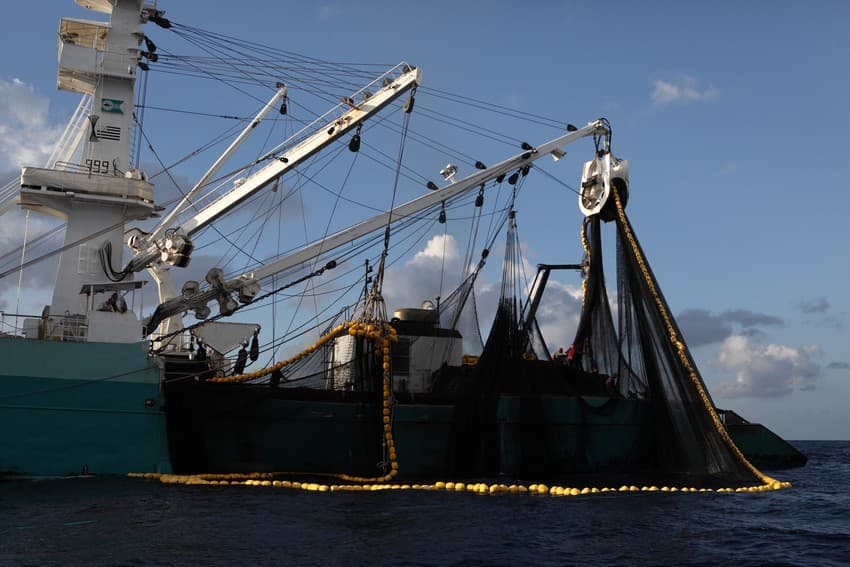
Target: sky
733 116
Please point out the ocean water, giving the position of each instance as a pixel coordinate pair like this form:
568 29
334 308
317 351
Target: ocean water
122 521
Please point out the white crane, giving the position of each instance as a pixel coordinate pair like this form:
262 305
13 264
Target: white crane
170 244
246 286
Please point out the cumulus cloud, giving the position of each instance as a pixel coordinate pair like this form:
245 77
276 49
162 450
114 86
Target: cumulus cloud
433 271
37 281
702 327
766 371
559 312
36 278
26 136
838 366
420 278
683 90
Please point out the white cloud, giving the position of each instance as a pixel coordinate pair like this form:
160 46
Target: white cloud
438 247
559 313
26 137
420 277
38 279
766 371
683 90
20 103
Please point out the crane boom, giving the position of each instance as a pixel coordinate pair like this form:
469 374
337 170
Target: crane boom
247 285
174 249
186 202
421 203
324 135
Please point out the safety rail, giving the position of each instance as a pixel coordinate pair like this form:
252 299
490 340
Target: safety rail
71 328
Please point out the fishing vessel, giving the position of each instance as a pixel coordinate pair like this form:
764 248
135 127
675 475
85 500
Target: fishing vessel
342 383
79 390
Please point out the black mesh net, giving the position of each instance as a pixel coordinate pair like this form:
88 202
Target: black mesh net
689 436
643 358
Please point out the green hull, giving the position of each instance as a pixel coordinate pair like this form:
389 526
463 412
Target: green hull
217 428
563 434
764 448
249 429
244 428
67 408
311 437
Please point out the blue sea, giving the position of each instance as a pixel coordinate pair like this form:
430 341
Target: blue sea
123 521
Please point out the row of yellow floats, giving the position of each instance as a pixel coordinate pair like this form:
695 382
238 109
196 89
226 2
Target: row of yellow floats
383 334
268 480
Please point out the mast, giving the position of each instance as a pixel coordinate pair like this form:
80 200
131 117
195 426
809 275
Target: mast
103 191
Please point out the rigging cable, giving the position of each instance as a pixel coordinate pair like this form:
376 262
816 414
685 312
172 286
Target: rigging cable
492 107
194 113
137 142
374 307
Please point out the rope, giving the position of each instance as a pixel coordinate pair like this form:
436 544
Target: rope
682 350
381 335
270 480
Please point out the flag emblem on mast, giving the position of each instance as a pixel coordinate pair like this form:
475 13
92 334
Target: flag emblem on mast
111 105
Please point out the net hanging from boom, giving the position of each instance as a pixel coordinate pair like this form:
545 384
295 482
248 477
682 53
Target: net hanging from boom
643 359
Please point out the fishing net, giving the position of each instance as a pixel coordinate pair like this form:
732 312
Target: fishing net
643 360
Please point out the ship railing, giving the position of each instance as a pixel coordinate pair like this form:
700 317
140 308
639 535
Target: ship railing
70 166
173 344
72 328
9 324
730 417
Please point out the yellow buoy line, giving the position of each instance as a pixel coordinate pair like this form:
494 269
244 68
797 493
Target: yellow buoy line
679 345
380 333
269 480
383 334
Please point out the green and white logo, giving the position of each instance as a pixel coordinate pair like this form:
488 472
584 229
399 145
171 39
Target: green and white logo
111 105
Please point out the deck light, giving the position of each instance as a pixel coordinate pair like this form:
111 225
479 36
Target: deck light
449 172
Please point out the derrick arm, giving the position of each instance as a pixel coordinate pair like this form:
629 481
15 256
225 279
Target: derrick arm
415 206
170 244
247 285
539 285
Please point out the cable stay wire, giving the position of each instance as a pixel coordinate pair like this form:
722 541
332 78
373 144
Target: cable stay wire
493 107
